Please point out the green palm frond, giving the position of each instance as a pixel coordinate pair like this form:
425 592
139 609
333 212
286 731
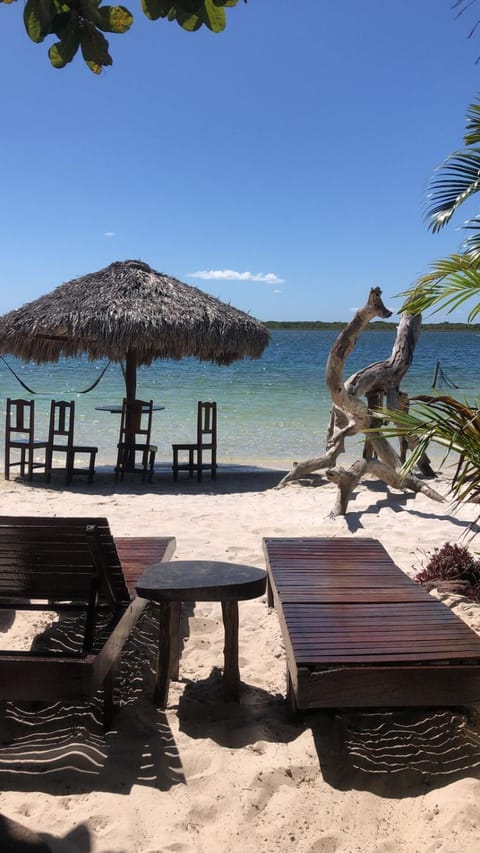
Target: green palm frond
463 5
456 180
472 135
448 422
471 245
451 282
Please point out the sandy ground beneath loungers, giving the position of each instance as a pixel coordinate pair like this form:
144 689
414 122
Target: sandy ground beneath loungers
205 776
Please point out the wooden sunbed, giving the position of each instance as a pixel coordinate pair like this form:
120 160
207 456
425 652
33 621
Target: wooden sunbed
73 566
358 632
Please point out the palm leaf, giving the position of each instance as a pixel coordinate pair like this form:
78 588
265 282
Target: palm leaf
451 282
472 135
471 245
456 180
450 423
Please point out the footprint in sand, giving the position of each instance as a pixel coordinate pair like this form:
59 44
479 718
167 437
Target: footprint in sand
265 785
325 844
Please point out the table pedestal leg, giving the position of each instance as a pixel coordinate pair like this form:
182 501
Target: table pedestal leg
176 612
168 649
231 671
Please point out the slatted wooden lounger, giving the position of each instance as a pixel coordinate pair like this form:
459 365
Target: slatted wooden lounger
76 566
358 632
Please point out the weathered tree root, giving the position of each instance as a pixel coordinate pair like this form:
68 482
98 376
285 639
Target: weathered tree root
352 415
348 478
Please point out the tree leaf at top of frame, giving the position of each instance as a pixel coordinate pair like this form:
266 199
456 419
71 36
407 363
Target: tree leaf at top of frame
190 7
113 19
214 17
61 23
187 21
63 51
155 9
94 47
37 17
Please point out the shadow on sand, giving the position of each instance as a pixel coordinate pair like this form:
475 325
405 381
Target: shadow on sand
391 753
397 753
62 749
16 838
231 479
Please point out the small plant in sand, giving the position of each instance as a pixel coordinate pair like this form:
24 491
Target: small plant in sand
452 568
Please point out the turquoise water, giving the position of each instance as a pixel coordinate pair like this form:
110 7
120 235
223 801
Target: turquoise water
271 411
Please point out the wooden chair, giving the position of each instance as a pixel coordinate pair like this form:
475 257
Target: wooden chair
60 440
135 440
20 440
76 566
206 444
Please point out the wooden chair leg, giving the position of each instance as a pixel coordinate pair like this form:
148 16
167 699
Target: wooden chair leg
120 466
91 467
70 461
151 465
48 464
109 705
29 462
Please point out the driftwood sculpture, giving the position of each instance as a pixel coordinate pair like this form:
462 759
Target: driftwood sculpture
351 414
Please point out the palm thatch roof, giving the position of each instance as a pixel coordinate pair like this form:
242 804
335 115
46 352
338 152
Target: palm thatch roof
129 307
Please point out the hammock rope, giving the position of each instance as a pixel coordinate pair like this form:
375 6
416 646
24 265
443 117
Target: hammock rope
31 391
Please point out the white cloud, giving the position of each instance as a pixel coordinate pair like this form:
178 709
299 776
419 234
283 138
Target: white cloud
233 275
277 290
109 234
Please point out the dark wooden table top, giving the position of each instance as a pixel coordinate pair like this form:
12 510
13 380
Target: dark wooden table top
116 409
201 580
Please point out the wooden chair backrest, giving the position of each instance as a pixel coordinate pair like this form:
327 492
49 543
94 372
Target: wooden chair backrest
60 559
20 419
62 418
136 420
207 424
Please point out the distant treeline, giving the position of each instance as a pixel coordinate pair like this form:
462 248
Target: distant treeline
378 326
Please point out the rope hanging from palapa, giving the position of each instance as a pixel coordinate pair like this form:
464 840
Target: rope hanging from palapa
30 390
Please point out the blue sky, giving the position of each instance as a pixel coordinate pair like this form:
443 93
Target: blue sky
281 165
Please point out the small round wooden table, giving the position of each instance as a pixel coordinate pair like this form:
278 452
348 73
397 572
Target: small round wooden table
168 584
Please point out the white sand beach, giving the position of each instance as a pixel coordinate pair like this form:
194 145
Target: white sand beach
207 776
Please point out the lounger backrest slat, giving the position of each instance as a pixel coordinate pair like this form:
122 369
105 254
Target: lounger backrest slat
55 559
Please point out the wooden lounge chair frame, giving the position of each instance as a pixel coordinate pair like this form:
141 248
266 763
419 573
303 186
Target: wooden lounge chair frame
358 632
72 565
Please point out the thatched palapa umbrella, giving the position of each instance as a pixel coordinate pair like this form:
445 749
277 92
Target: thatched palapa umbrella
129 312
